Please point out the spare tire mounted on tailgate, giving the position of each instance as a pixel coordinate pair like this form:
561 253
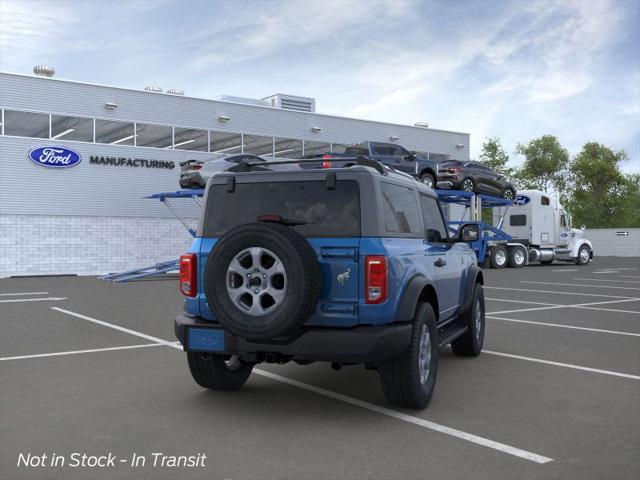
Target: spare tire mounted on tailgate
262 280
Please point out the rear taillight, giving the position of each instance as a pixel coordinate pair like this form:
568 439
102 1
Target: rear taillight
326 164
375 279
453 170
196 167
188 271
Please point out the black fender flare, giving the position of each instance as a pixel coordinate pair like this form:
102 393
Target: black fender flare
474 275
410 297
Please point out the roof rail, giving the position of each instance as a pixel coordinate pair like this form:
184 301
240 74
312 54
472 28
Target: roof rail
360 160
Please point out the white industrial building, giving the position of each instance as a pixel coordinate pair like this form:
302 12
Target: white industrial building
92 217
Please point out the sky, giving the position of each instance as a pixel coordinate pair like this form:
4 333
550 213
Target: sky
514 69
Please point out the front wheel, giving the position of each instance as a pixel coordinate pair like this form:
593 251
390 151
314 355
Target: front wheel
508 194
428 180
468 185
218 372
584 255
409 380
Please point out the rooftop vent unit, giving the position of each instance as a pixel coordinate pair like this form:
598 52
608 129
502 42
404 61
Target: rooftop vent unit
175 91
153 88
244 100
44 71
291 102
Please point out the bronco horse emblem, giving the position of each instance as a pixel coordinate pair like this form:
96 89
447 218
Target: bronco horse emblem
343 277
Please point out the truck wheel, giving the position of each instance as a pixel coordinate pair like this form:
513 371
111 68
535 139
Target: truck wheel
428 180
218 372
408 381
262 280
470 344
584 255
498 256
517 257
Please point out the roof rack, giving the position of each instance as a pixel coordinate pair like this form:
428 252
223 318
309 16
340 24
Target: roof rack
360 160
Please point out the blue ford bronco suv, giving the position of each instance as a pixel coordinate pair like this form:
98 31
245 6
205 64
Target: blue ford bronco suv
349 265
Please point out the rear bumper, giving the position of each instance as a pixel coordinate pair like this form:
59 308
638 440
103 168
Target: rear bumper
363 344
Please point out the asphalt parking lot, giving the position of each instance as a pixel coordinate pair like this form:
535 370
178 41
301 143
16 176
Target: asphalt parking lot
88 366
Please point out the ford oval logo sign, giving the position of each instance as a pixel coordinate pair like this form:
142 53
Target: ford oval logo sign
55 157
521 200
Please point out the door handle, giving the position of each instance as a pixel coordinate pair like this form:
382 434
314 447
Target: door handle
440 263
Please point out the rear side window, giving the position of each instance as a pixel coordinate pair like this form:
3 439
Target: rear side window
328 213
400 209
435 231
518 220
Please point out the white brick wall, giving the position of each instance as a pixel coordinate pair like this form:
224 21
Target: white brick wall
45 245
607 242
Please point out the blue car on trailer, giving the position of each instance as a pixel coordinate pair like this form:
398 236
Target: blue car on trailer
349 265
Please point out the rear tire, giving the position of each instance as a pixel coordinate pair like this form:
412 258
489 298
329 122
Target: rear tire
470 344
428 180
517 257
408 381
509 194
498 256
218 372
468 185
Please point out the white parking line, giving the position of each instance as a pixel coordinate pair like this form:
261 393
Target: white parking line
577 305
47 299
74 352
410 419
581 285
567 270
604 280
520 301
343 398
22 293
565 365
116 327
629 276
598 330
559 293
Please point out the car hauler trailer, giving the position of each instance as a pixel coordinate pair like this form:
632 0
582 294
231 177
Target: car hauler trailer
532 228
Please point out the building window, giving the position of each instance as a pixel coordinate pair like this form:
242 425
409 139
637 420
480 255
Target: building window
115 133
258 145
156 136
400 209
191 139
226 142
312 149
26 124
71 128
287 148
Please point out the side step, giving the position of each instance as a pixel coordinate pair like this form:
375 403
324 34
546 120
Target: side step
450 332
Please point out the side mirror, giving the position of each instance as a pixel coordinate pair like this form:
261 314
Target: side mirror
411 157
469 233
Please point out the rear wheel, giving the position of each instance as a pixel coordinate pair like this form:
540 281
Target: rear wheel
218 372
517 257
470 344
498 256
509 194
428 180
409 380
468 185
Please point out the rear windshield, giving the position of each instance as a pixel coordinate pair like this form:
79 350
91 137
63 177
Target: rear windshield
328 213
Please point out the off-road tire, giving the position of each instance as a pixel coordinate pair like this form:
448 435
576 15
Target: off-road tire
512 262
303 280
211 371
494 262
400 377
470 344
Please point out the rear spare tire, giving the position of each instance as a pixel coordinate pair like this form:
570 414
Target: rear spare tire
262 280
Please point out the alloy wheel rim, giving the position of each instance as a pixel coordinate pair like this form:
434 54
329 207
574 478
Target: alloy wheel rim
256 281
500 257
518 257
424 354
428 181
467 185
584 255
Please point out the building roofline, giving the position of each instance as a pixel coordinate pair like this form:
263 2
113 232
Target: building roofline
232 103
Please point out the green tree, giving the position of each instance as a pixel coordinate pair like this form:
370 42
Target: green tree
494 156
545 164
599 194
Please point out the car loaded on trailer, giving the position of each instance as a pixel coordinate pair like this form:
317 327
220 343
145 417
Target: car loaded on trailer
474 177
349 265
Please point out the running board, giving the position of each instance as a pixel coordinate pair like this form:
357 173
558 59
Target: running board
449 333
